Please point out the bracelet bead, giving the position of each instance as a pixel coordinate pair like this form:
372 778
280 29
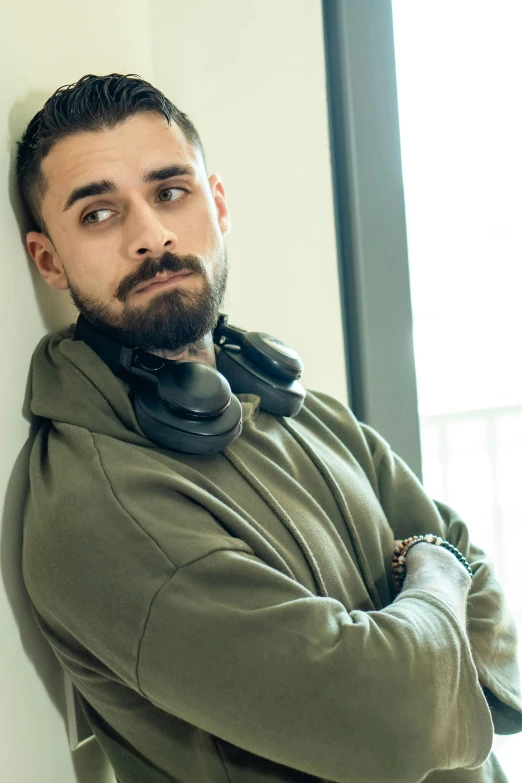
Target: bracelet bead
400 552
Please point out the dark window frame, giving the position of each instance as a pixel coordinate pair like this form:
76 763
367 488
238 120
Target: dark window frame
371 222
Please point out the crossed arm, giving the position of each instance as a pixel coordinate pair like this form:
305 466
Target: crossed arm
491 629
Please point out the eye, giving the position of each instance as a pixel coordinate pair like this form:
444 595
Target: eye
167 190
94 222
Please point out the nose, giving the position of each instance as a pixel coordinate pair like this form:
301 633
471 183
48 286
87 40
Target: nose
147 233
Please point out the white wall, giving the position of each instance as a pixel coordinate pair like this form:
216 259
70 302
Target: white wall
251 77
42 46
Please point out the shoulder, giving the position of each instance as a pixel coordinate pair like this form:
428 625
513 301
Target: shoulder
363 441
74 524
98 505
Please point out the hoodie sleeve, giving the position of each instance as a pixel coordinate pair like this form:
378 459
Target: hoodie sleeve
246 653
491 629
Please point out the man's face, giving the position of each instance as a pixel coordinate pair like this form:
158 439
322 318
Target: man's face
106 246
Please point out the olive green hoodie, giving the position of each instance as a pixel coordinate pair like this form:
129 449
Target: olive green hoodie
231 617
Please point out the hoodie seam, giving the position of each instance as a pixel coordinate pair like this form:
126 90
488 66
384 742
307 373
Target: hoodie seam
157 592
216 743
176 568
124 509
377 463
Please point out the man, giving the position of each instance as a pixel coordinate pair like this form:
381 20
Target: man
228 616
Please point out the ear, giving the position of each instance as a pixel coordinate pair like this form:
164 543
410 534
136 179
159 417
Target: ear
218 193
46 259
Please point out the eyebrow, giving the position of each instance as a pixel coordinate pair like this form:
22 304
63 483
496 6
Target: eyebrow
108 186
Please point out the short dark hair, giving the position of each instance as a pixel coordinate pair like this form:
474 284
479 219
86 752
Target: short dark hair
93 103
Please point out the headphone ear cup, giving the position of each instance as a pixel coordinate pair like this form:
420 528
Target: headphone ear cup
278 397
162 426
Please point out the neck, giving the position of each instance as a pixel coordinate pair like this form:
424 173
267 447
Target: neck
202 351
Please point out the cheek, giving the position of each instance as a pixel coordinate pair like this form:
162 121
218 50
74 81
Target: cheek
200 228
96 272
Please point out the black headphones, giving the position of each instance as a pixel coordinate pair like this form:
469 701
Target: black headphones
189 406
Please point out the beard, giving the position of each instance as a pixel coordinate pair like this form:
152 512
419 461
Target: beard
171 319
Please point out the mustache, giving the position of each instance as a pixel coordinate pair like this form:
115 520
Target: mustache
169 262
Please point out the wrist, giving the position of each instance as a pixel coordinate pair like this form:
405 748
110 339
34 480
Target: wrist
399 560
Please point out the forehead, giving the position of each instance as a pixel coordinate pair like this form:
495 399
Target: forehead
141 142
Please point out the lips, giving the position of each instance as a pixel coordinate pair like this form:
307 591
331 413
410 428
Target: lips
163 279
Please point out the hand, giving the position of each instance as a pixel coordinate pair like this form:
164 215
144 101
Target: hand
436 570
436 554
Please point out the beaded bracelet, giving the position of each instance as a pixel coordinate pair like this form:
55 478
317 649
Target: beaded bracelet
399 556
